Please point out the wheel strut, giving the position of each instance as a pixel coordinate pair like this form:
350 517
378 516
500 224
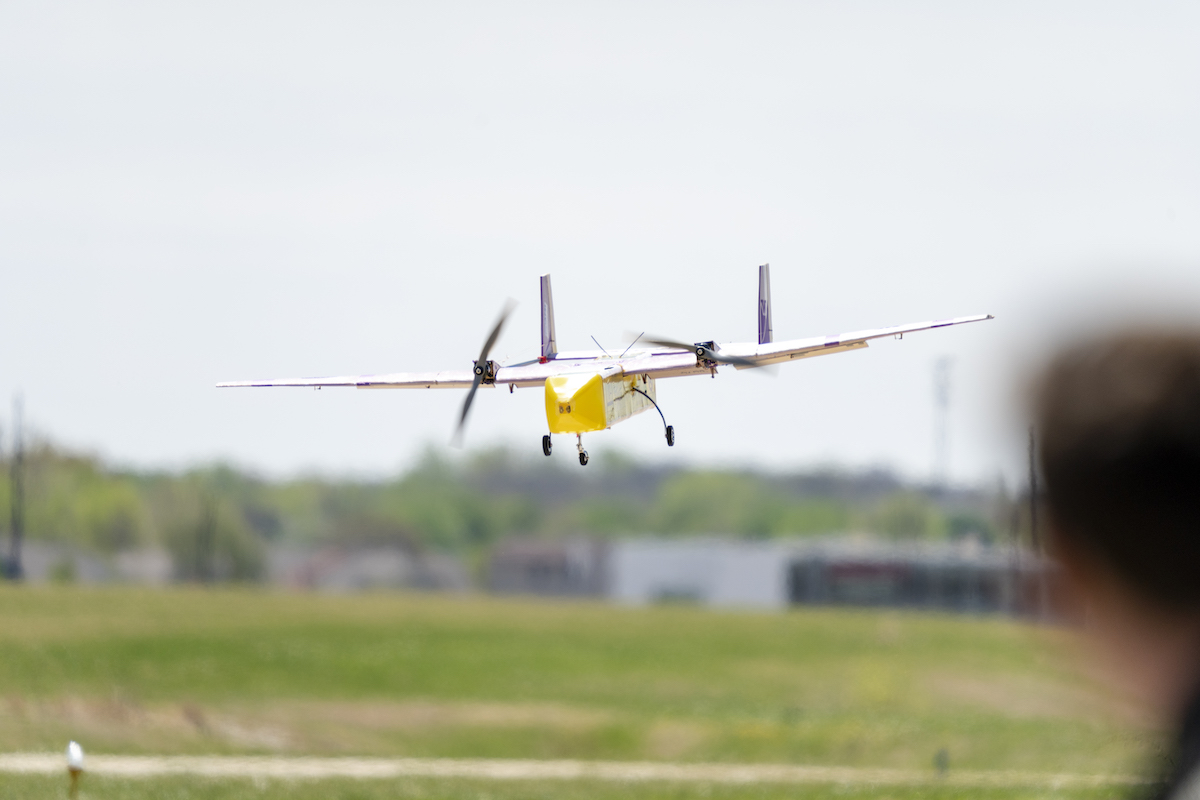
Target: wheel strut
670 429
583 456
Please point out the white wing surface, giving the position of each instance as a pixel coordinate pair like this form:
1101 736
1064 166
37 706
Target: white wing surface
657 362
667 363
779 352
460 379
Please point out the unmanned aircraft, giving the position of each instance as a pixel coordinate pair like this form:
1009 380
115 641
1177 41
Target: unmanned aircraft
593 390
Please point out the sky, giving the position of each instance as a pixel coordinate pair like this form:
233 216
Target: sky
193 192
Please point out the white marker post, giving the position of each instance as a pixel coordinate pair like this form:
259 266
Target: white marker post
74 766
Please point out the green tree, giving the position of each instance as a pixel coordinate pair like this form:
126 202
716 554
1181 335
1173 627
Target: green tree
907 516
209 539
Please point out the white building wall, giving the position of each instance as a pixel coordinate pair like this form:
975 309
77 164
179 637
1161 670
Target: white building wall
714 572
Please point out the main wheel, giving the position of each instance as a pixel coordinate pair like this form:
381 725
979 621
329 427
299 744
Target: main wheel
546 445
583 459
670 436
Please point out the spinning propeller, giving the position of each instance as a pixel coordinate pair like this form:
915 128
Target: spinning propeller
481 368
704 352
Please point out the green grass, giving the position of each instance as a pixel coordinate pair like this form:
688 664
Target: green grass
94 788
243 671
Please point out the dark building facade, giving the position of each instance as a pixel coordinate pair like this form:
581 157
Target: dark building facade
960 577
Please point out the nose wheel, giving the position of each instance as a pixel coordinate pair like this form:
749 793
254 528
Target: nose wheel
547 445
583 456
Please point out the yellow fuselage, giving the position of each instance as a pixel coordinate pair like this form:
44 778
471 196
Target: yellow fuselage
593 401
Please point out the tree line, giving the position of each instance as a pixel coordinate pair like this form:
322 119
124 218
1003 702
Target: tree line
216 521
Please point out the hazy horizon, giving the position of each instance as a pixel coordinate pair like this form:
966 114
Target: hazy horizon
206 191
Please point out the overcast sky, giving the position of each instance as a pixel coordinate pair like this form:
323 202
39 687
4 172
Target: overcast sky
195 192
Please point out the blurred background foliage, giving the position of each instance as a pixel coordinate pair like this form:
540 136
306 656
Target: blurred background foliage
216 521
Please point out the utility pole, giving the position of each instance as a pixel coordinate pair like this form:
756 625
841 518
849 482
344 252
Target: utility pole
3 557
1035 539
12 566
941 423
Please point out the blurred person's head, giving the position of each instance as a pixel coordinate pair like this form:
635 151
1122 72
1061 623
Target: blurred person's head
1119 427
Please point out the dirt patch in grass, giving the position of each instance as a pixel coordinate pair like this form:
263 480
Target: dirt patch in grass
118 724
125 724
669 739
424 714
1032 697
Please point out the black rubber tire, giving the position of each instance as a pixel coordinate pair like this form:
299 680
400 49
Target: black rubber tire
583 459
547 446
670 436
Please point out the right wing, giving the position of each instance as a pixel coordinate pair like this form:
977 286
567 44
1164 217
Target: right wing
458 379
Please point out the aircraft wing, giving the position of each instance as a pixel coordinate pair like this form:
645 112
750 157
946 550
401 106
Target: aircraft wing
459 379
779 352
668 363
657 363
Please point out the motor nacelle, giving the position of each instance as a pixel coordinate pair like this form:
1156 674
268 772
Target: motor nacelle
702 351
486 371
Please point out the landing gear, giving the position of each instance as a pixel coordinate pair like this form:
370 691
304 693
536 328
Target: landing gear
583 459
547 446
669 428
583 456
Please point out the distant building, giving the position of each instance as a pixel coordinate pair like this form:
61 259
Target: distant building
51 561
334 569
961 576
347 569
151 566
713 572
563 567
964 576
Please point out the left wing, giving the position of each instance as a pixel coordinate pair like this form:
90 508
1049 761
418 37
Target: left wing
460 379
779 352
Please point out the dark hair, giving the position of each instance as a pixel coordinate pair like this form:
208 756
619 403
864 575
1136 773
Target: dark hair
1119 424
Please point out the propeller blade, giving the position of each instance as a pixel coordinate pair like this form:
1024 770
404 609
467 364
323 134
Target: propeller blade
735 360
705 352
671 343
457 439
480 368
509 305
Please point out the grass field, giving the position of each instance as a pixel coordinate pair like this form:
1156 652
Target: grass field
241 671
41 788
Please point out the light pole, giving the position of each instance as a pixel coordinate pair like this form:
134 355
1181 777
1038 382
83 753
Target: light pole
12 566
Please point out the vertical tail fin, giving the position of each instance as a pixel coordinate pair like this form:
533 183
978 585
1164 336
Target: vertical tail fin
764 304
549 340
